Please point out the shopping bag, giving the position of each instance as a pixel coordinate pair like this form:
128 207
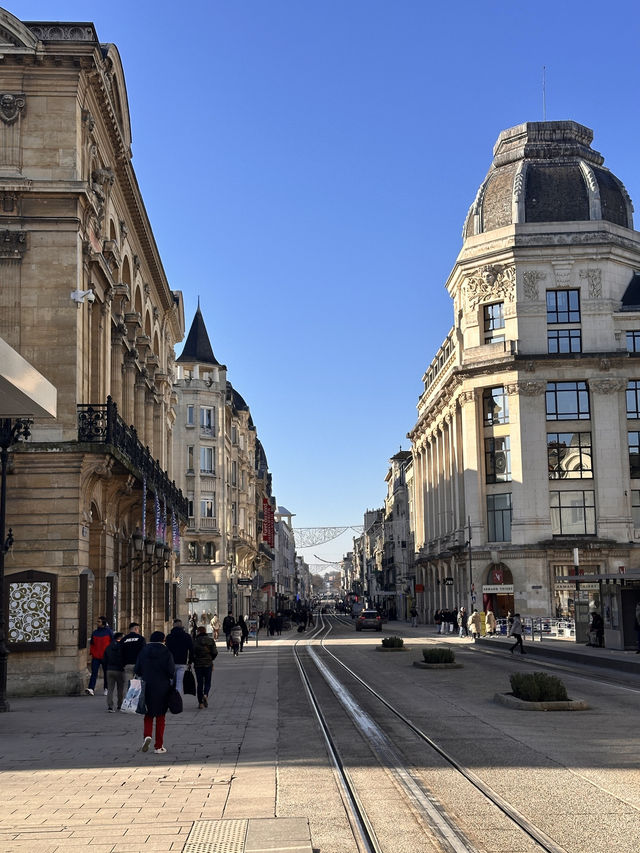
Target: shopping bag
130 701
189 683
175 701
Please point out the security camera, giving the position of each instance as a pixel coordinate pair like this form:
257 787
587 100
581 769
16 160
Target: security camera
79 296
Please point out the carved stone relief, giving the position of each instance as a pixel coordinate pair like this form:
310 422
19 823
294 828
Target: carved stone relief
594 277
562 273
531 279
11 106
607 386
491 281
526 387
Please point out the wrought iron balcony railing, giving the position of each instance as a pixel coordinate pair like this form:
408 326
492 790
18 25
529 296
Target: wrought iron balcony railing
101 424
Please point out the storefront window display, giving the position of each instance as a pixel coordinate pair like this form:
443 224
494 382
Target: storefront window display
564 588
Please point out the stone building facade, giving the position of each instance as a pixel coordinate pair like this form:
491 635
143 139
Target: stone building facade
222 468
526 448
85 300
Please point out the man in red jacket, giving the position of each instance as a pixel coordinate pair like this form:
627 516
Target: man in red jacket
100 639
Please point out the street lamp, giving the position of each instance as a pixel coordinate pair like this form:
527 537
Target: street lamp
10 433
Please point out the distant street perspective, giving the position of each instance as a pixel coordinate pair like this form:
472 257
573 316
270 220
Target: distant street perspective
180 669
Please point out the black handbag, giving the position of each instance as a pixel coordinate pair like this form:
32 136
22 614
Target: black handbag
189 683
175 701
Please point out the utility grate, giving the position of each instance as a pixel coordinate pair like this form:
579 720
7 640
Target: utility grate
217 836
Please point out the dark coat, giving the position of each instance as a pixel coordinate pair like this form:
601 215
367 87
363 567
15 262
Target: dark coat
132 645
113 657
243 627
156 667
204 650
180 645
228 624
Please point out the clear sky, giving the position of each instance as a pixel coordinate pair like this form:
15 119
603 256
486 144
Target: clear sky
307 166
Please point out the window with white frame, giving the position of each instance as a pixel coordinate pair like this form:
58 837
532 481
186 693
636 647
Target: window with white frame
190 416
208 508
207 422
206 460
493 322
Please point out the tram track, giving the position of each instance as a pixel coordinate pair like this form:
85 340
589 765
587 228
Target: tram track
444 831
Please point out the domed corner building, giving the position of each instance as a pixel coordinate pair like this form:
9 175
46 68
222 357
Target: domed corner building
528 434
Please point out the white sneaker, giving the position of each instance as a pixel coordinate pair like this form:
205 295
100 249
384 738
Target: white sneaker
106 692
145 745
89 691
160 750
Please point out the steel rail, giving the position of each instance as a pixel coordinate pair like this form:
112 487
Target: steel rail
543 840
363 831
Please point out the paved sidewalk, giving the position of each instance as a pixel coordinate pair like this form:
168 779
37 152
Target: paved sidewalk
72 775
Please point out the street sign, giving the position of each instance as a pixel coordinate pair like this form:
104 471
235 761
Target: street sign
448 581
244 581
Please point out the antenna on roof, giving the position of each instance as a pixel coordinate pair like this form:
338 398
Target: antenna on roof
544 93
198 302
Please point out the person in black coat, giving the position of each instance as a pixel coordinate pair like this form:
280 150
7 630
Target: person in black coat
204 654
227 625
180 645
114 667
245 631
156 667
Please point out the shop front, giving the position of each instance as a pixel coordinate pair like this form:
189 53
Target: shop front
497 592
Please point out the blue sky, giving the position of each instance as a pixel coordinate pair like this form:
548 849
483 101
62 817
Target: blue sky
307 166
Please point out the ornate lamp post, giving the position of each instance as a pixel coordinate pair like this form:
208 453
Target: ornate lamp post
11 432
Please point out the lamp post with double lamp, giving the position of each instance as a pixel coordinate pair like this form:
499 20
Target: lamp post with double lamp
11 432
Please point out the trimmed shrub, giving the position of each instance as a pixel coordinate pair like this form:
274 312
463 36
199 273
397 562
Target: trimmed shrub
392 642
438 654
538 687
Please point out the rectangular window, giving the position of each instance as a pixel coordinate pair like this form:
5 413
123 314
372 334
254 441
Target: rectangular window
633 399
635 507
206 420
634 455
573 513
190 509
190 458
564 341
209 551
234 473
569 455
190 416
493 322
499 518
567 401
207 509
495 405
206 460
633 341
497 454
234 434
192 552
563 306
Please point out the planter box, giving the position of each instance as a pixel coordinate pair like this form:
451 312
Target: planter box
423 665
512 701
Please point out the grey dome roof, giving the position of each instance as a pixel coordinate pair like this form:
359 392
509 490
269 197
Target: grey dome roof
547 172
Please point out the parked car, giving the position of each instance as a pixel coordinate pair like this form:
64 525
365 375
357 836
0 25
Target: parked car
369 619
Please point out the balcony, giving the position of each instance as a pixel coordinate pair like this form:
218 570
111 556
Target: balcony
208 523
102 426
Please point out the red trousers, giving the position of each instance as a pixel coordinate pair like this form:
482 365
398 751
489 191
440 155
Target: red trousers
148 729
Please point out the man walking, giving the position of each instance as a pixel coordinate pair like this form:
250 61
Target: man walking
132 645
204 654
100 639
516 631
112 662
227 625
180 645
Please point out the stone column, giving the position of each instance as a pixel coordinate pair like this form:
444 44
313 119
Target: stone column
116 370
472 488
139 422
149 407
609 442
128 393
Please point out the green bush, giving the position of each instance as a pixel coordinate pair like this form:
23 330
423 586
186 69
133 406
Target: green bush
538 687
392 642
438 654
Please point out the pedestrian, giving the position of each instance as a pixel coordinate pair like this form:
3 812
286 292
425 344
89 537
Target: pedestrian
437 618
463 631
516 631
156 667
204 654
132 644
474 624
236 638
490 621
100 639
215 626
279 624
596 630
193 625
180 645
114 667
509 622
245 631
272 625
227 625
414 616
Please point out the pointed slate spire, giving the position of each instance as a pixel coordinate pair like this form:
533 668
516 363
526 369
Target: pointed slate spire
198 347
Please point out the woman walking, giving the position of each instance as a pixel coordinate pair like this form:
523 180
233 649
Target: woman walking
156 667
204 654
